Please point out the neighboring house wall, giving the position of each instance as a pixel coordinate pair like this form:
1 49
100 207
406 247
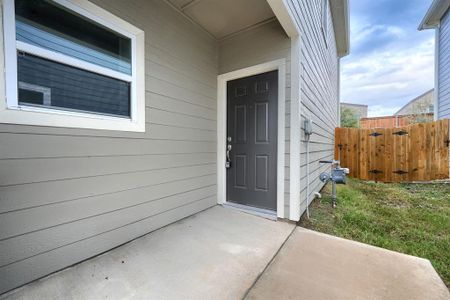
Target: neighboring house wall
359 110
68 194
383 122
394 121
319 91
443 109
262 44
421 105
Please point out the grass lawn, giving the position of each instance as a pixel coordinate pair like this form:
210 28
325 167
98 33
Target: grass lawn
408 218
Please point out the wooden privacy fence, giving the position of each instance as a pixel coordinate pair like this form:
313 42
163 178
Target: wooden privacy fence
418 152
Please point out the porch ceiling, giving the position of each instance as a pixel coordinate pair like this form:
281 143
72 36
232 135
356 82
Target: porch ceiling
223 18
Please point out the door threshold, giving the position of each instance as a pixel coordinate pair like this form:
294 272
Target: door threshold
260 212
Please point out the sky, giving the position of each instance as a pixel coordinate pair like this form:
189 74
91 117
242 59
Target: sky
390 61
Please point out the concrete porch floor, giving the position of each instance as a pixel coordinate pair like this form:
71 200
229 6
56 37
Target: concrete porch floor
220 253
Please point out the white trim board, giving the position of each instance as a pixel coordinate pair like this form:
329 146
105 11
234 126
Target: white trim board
222 80
294 170
285 16
436 71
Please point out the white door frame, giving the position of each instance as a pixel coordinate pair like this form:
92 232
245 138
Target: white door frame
276 65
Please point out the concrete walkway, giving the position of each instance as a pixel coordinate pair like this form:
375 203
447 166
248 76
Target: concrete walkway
226 254
317 266
215 254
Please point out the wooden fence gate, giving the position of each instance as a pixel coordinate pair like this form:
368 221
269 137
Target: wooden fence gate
418 152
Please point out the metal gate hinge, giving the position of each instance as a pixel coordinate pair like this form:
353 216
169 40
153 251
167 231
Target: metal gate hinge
401 132
375 171
400 172
375 134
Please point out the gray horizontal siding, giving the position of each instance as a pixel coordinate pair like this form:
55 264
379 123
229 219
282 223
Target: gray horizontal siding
93 207
319 91
443 108
262 44
70 194
16 146
59 258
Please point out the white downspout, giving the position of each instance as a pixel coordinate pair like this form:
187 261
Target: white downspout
308 130
339 95
436 73
307 175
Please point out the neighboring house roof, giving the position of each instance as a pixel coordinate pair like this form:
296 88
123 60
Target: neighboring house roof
340 14
360 109
425 97
434 14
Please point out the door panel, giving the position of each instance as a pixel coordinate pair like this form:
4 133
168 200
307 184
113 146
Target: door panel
262 122
252 112
240 170
262 176
240 117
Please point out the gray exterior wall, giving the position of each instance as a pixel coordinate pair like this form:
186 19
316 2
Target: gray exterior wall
319 91
67 194
262 44
443 107
419 105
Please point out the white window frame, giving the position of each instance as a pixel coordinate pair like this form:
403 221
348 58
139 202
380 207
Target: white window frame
12 112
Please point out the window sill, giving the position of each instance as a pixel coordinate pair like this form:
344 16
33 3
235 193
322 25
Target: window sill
37 116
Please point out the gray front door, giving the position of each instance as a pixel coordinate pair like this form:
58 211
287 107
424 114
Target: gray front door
252 113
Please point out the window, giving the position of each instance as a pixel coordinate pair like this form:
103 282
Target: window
324 22
72 65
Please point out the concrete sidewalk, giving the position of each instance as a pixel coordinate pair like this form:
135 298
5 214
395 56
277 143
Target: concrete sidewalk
215 254
222 253
317 266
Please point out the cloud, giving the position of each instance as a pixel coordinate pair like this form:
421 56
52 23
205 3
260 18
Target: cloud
390 61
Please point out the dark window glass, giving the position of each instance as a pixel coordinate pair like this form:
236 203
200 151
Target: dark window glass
71 88
53 27
31 97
